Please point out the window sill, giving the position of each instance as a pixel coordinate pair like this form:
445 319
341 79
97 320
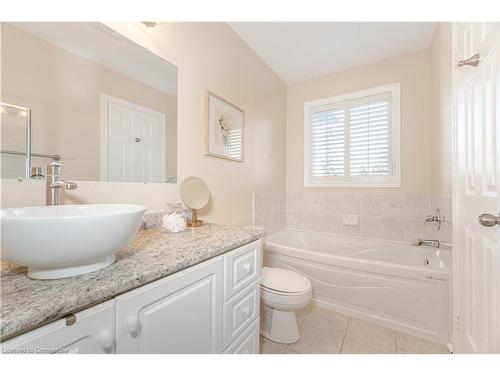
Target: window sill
391 185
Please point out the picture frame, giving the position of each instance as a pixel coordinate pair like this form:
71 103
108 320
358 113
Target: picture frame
224 128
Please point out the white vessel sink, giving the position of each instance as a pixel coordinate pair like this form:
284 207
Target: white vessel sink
69 240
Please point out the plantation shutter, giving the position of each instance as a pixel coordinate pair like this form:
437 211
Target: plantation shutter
234 143
353 139
328 141
370 136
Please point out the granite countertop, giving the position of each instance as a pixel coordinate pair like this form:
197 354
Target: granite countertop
27 304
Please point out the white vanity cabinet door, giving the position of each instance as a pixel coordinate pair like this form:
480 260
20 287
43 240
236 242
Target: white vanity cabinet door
181 313
91 333
248 342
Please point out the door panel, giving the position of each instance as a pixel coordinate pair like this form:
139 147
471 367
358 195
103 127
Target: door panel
477 248
179 314
92 333
134 146
171 314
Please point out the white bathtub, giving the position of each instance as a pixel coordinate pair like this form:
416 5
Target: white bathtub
396 285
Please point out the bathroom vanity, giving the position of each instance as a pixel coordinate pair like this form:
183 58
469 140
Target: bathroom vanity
193 292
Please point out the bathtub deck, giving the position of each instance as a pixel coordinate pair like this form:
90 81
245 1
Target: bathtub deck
324 331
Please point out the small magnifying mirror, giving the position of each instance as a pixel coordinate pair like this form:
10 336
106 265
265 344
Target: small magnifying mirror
194 193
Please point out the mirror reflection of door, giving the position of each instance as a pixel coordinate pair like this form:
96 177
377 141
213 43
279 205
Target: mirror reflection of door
133 142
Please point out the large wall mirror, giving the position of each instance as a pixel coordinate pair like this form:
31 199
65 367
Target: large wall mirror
96 101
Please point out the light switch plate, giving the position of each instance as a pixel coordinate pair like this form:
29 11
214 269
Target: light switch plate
351 220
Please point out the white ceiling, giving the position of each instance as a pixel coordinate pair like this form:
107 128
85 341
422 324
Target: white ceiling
96 42
298 51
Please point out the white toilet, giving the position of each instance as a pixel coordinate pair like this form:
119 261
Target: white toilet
282 292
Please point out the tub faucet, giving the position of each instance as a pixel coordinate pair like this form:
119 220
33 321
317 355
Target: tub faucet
54 184
435 218
431 243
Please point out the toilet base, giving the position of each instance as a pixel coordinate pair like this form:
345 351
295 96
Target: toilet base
279 326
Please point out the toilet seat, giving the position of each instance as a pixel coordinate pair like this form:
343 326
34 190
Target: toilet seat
281 293
284 282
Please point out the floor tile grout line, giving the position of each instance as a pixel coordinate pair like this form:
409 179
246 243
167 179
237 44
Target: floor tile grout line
396 341
345 334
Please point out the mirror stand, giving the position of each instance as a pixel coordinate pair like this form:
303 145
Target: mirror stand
194 222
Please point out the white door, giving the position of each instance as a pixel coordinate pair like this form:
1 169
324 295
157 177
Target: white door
179 314
476 257
133 142
91 332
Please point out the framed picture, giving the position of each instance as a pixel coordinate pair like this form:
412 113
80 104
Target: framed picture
224 129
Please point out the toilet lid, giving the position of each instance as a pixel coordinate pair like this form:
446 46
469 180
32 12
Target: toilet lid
284 280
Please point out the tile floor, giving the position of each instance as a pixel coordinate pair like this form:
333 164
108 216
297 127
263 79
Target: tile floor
325 331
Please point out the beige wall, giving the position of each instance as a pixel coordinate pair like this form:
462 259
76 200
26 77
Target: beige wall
414 73
63 90
210 56
441 111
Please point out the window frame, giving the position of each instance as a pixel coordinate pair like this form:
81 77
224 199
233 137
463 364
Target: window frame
391 181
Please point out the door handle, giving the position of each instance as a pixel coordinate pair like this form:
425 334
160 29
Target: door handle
132 325
471 61
489 220
106 340
246 311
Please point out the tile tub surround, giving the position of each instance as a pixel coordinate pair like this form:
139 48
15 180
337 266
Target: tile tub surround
269 211
398 217
153 254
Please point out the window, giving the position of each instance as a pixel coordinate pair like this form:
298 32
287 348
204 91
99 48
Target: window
354 139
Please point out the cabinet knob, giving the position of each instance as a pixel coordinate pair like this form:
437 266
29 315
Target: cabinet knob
132 325
247 267
106 340
246 311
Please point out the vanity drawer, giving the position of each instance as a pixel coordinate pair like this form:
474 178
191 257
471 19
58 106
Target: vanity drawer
241 267
240 312
91 331
248 342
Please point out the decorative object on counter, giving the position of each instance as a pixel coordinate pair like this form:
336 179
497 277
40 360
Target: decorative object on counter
195 195
174 220
224 128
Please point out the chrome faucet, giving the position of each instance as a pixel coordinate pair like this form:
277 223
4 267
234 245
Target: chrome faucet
431 243
54 184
